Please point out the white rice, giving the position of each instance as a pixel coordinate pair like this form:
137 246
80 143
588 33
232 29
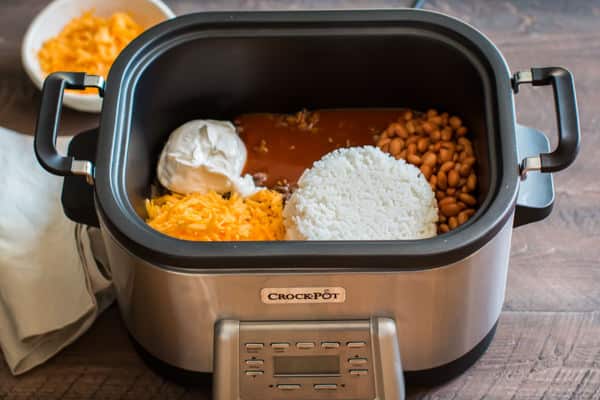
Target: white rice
361 193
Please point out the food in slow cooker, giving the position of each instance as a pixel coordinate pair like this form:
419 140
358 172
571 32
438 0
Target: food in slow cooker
88 43
361 193
217 217
202 156
273 150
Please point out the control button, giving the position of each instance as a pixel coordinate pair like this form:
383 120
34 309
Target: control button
356 361
330 345
325 386
254 347
280 346
289 386
254 373
356 345
255 363
305 345
358 372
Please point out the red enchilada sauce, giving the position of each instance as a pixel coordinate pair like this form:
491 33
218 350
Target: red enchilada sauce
282 146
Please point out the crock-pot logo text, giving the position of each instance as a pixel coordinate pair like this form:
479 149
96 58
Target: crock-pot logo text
303 295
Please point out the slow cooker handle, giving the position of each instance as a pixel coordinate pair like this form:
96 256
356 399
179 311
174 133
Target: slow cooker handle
46 129
566 113
536 193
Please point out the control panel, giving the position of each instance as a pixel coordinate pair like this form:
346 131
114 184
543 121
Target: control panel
307 360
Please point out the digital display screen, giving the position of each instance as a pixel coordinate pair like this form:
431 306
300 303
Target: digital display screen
306 365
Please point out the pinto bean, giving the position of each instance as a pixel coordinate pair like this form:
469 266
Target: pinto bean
446 200
411 148
472 182
445 117
383 139
447 133
396 146
427 127
453 178
414 159
445 155
423 144
431 113
447 166
442 180
464 215
467 199
412 139
426 170
455 122
465 169
433 181
452 222
450 210
430 159
437 120
448 145
464 141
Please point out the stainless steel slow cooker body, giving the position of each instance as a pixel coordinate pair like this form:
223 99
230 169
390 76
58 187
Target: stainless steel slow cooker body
444 293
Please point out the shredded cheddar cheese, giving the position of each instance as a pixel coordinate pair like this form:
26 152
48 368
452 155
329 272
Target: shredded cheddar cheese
211 217
88 44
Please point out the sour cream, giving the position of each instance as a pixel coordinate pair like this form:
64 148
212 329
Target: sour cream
205 155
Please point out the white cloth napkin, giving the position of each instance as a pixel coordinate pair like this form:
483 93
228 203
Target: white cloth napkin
51 288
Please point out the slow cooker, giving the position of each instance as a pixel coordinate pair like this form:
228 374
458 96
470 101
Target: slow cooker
308 319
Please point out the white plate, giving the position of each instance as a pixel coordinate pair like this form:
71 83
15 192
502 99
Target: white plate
51 20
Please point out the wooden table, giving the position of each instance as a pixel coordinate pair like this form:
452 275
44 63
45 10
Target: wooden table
548 340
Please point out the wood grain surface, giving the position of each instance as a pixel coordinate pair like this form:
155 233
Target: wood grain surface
548 340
